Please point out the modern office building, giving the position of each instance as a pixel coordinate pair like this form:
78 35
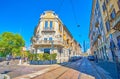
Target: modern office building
52 36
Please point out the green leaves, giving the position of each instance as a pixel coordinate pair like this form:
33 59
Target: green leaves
11 43
42 56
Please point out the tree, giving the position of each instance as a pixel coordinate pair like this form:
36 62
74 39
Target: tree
11 43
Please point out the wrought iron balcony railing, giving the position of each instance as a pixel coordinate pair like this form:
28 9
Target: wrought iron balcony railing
48 30
48 42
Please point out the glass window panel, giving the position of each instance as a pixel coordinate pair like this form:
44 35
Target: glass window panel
46 24
51 24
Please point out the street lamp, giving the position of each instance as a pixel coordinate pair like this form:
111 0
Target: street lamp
52 47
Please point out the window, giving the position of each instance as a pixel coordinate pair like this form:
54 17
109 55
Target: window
119 4
45 39
99 31
95 11
107 1
104 6
118 42
113 14
97 5
108 25
101 26
60 28
50 38
51 24
37 38
46 24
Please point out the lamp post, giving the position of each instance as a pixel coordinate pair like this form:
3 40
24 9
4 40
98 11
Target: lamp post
52 47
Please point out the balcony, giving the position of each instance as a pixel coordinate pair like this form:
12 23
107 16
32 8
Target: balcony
48 43
99 35
97 23
116 22
48 30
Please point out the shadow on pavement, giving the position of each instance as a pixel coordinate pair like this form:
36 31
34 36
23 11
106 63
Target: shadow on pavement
87 67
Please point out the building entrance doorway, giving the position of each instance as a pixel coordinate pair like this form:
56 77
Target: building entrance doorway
47 50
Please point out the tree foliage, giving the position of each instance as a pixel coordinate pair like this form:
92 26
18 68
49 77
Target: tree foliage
42 56
11 43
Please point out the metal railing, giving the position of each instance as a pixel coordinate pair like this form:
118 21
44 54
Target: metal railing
48 29
49 42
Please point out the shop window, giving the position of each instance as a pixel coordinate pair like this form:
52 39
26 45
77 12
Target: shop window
47 50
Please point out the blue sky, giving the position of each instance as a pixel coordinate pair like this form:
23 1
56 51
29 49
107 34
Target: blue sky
21 16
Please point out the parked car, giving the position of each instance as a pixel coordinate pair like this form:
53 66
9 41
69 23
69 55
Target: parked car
74 58
91 58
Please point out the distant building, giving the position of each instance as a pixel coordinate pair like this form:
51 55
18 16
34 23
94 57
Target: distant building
89 52
52 36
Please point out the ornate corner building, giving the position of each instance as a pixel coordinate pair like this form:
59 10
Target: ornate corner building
52 36
105 18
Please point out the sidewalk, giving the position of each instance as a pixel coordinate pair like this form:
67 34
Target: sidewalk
109 67
32 75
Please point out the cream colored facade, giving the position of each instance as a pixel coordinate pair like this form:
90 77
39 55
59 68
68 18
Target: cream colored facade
97 33
52 36
110 17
